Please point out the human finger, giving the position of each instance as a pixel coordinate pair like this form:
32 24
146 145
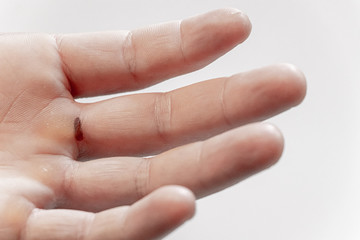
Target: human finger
150 218
204 167
98 63
151 123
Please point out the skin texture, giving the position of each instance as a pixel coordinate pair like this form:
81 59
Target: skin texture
77 171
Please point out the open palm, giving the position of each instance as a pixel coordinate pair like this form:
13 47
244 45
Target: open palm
64 170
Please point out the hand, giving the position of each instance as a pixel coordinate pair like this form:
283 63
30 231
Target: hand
47 193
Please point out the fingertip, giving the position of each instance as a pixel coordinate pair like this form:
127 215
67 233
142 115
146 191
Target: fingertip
261 143
173 206
237 154
274 142
296 80
181 199
240 21
159 213
210 35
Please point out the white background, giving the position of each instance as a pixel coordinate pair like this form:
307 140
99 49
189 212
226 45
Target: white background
314 191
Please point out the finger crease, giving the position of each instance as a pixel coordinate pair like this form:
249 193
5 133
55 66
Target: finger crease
66 70
24 227
163 114
182 42
223 102
129 55
142 177
86 226
69 176
200 165
23 230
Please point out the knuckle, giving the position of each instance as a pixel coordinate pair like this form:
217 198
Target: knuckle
162 114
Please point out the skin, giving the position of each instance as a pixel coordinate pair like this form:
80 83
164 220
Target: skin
77 171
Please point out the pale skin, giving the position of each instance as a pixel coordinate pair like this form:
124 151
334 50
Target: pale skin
76 171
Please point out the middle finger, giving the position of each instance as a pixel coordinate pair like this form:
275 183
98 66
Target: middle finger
151 123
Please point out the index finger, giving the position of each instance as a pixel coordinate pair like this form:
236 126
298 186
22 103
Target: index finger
102 63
